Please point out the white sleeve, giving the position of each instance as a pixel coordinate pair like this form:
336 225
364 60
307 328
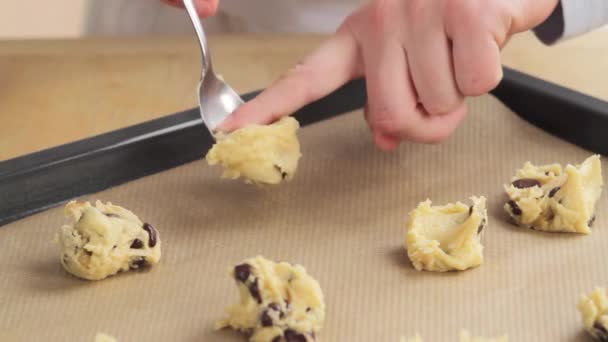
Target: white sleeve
572 18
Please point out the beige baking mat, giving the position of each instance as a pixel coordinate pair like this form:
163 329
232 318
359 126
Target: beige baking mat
342 217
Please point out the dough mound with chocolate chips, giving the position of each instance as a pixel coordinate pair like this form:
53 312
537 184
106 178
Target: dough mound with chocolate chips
446 238
465 336
279 302
553 199
260 154
594 312
105 239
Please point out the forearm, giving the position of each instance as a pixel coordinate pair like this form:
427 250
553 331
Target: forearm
573 18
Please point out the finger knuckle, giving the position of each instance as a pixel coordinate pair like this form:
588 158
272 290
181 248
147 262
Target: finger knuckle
479 83
414 10
460 14
392 123
381 12
351 23
442 106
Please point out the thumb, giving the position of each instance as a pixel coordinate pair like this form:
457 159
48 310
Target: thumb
334 63
531 14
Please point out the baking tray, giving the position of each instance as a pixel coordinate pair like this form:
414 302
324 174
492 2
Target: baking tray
342 217
45 179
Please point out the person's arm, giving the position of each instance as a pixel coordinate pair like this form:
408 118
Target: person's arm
572 18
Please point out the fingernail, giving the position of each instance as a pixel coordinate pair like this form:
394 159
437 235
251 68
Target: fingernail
385 142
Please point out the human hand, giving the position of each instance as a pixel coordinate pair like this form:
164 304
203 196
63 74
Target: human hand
421 58
205 8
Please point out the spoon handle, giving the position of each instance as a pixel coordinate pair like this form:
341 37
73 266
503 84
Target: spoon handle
200 33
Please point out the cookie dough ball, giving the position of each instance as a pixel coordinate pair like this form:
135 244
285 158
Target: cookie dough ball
105 239
594 311
465 336
446 238
259 154
279 302
100 337
552 199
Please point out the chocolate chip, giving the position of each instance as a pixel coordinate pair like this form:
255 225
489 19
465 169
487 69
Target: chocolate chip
277 338
591 221
525 183
111 215
255 292
553 191
308 309
276 307
481 226
242 272
470 210
137 244
515 209
283 173
152 233
89 253
602 332
546 173
265 319
138 263
551 215
293 336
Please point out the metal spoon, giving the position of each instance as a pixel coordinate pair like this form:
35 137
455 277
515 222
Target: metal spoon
216 99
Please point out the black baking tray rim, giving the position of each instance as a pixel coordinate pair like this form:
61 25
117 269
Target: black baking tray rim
45 179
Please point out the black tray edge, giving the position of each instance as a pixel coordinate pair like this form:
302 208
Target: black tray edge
568 114
45 179
42 180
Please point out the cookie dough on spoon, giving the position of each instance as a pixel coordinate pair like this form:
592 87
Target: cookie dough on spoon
262 154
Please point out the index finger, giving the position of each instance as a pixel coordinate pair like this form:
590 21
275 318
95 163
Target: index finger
334 63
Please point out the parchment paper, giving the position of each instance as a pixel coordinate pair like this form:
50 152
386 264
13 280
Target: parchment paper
343 218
